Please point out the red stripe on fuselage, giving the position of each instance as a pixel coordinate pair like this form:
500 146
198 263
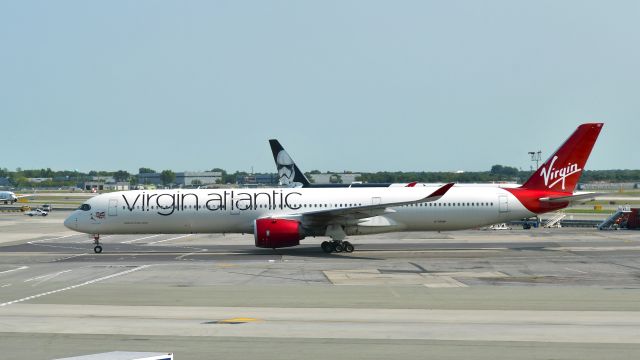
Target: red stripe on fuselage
531 199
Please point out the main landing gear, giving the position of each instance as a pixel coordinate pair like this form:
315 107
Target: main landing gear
337 246
96 240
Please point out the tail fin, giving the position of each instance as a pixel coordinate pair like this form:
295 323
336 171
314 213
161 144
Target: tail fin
288 172
562 170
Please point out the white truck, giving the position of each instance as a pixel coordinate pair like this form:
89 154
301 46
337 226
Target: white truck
123 355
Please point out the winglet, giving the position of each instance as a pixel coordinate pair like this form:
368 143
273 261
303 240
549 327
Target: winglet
412 184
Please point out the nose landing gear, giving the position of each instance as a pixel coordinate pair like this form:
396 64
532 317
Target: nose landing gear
96 240
337 246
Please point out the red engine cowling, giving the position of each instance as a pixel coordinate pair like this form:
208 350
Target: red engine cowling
277 233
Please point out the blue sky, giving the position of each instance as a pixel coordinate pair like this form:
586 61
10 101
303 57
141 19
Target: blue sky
358 85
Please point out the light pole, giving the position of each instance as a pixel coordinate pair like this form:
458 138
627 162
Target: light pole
536 156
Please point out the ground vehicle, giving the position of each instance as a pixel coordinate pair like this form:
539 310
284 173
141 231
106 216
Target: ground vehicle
501 226
37 212
47 207
24 208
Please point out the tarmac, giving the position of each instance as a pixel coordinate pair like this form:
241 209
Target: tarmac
529 294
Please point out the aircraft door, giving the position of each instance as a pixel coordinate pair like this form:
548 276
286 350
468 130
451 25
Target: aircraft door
376 201
503 202
113 207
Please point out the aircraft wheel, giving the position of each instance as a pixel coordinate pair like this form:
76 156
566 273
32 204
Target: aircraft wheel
326 247
348 247
97 249
339 248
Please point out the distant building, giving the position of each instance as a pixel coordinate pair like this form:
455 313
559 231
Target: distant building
5 182
197 178
90 185
105 179
38 180
149 178
117 186
608 186
185 178
256 180
334 178
109 186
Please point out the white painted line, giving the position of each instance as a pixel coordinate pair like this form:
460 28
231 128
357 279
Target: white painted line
12 270
91 240
59 247
69 257
134 240
592 248
185 255
44 276
576 270
75 286
175 238
5 285
51 239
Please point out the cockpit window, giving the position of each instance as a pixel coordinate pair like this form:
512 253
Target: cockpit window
85 207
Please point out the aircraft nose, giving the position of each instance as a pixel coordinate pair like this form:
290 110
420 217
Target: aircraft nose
71 222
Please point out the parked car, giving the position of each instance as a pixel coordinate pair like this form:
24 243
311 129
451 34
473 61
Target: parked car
37 212
502 226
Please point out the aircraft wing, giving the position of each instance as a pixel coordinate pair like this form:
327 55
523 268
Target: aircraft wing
573 197
366 211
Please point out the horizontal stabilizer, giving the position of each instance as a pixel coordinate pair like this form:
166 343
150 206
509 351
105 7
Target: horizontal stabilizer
574 197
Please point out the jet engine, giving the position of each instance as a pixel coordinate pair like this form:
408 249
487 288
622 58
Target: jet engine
277 233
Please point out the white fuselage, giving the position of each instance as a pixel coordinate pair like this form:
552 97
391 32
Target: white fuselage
8 196
234 210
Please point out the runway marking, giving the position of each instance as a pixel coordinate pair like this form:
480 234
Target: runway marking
35 242
89 282
594 248
580 271
185 255
12 270
69 257
5 285
52 275
58 246
175 238
134 240
91 240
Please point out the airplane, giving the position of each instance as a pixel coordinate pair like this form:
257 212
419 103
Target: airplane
289 175
281 217
10 197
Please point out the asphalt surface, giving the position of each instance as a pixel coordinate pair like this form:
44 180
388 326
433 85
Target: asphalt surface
532 294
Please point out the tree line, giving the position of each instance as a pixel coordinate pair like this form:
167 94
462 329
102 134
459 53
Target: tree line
497 173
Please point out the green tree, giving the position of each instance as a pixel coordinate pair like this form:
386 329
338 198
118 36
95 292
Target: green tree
121 175
167 177
144 170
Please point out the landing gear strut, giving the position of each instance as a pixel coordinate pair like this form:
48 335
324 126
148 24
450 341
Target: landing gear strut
337 246
96 240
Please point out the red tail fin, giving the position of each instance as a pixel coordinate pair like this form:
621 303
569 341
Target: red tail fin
562 170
